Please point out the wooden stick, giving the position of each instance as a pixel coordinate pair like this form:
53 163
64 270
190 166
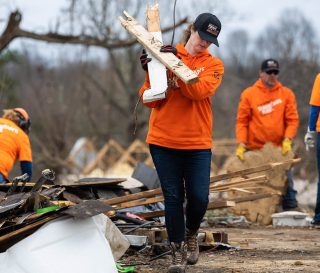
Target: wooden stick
262 168
146 38
215 187
29 227
241 181
250 197
220 204
140 202
131 197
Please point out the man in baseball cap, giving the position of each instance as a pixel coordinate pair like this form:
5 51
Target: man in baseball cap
208 27
270 65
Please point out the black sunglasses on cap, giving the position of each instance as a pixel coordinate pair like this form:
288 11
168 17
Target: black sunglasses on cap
275 72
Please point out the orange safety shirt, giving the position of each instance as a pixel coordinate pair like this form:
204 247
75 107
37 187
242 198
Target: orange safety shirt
315 98
266 115
14 144
183 120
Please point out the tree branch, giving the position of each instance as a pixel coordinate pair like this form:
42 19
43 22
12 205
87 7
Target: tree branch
13 31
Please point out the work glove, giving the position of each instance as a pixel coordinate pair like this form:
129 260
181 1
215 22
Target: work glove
169 48
144 60
309 139
286 145
240 151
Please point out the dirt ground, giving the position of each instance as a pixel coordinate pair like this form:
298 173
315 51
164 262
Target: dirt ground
262 249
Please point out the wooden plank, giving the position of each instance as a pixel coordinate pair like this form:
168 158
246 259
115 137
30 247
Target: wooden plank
157 71
93 182
153 18
27 185
244 183
220 204
133 196
251 197
261 168
241 181
241 190
92 164
146 38
111 144
151 214
140 202
225 186
158 191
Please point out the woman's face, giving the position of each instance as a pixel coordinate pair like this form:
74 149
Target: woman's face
197 43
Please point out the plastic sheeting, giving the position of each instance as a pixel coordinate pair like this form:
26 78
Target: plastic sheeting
62 246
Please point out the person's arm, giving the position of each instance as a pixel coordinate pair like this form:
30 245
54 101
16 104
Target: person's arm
313 117
243 119
291 117
209 81
26 167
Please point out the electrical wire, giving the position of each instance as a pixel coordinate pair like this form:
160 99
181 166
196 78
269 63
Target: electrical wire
174 21
135 113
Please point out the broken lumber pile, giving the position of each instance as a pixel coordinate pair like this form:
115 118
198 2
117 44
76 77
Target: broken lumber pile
239 183
260 211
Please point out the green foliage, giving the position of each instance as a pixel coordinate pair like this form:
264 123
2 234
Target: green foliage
9 57
7 83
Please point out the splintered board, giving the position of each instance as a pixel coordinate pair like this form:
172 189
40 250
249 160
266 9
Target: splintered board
146 38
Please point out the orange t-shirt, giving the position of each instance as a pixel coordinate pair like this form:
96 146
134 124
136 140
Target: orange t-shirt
14 145
266 115
315 97
183 120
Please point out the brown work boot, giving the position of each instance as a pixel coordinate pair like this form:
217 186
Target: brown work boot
179 255
192 246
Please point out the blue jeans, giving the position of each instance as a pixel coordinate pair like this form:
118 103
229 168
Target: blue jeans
289 200
317 209
183 173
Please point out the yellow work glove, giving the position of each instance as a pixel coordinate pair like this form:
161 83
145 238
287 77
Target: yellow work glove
286 146
240 151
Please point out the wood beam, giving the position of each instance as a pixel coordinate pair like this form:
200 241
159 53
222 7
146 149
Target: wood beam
148 41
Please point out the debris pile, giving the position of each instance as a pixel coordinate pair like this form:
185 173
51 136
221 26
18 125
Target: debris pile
132 205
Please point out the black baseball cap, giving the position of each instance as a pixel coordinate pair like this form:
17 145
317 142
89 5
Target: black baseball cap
270 65
208 27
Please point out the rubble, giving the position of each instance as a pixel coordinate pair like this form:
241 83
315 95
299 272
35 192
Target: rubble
133 206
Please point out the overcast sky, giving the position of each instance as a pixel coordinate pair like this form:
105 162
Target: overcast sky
252 15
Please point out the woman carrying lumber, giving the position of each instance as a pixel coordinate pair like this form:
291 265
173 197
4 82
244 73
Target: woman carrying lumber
312 138
180 137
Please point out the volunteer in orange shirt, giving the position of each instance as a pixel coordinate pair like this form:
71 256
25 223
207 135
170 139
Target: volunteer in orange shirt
14 142
313 135
268 113
180 137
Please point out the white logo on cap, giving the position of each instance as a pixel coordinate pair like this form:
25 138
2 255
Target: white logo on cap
213 29
272 63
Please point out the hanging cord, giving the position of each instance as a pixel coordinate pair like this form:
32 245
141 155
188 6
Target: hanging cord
135 113
174 21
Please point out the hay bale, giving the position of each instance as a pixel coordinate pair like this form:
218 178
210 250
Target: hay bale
260 211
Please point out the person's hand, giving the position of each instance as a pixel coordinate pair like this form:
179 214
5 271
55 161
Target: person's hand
309 139
240 151
286 145
144 60
169 48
